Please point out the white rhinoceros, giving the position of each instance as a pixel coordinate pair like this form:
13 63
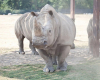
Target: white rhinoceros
53 34
91 35
23 29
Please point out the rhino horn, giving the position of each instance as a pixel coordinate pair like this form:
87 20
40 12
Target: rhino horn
35 22
37 28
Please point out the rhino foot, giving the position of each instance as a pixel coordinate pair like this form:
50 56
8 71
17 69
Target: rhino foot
62 67
48 69
21 53
35 53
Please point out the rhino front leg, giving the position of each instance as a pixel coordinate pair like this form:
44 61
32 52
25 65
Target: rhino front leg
53 57
62 65
33 49
54 61
20 41
49 65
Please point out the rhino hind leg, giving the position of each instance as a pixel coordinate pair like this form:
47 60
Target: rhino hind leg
33 49
48 61
91 45
62 65
20 41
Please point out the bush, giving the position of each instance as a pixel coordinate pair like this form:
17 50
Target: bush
14 11
5 11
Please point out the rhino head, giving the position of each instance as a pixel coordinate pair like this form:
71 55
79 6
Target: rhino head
43 33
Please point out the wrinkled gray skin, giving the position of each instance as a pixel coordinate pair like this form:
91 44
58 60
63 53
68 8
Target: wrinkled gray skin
53 34
23 29
91 35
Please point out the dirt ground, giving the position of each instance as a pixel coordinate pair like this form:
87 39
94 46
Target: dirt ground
9 45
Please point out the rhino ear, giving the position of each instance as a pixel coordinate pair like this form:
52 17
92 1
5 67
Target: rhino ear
34 14
51 13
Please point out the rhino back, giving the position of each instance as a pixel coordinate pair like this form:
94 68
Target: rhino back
67 30
24 26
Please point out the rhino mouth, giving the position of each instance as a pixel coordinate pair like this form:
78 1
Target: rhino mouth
39 42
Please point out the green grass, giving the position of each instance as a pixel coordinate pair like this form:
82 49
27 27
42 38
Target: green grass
89 70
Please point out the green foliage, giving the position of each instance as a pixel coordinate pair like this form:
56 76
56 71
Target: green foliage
89 70
86 4
61 4
38 4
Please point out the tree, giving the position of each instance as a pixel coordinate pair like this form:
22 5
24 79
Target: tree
38 4
84 4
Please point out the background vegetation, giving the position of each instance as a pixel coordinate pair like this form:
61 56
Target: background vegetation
22 6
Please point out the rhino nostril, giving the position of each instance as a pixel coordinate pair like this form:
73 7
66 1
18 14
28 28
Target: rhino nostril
45 42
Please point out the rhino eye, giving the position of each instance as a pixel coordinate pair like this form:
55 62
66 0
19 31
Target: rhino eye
50 31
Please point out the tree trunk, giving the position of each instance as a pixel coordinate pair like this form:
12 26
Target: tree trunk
95 49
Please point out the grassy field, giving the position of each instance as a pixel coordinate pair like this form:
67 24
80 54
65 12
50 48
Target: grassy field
89 70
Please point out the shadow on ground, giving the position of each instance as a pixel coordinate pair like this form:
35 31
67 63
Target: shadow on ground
76 56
